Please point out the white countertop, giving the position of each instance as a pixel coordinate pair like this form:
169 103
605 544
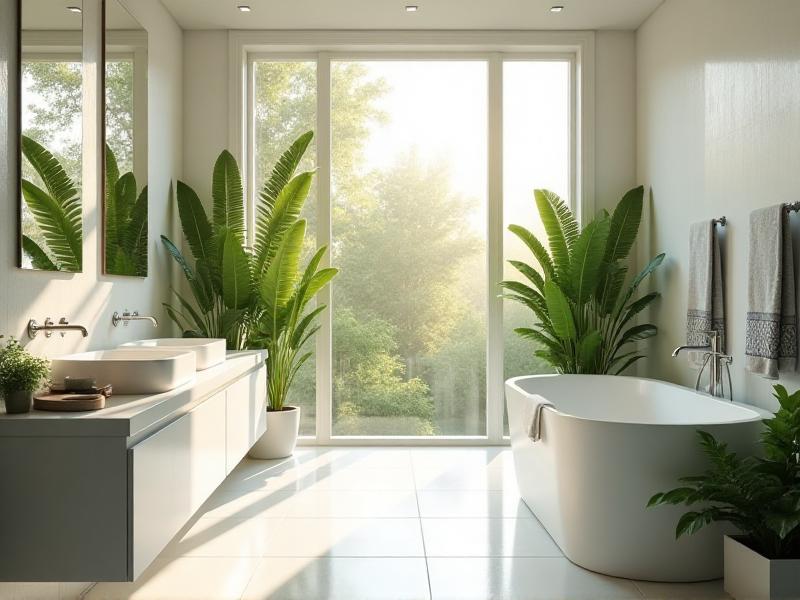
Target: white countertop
125 416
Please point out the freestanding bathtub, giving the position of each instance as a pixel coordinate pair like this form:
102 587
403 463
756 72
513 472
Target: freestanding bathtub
608 444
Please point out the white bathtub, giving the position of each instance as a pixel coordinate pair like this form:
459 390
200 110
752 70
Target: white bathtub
607 446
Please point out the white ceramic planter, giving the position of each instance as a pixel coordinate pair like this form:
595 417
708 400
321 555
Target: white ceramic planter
750 576
281 436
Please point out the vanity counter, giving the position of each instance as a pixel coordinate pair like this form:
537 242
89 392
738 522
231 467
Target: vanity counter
133 416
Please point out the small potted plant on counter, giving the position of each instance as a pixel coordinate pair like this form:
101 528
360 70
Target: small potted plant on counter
21 374
760 496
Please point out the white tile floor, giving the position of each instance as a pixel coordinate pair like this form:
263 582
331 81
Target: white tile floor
375 523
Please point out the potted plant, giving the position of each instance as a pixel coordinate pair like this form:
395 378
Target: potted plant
577 291
254 297
21 374
760 496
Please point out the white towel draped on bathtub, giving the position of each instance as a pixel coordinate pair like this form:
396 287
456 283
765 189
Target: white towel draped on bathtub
535 425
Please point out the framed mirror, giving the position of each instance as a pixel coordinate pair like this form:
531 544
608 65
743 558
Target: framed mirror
125 222
51 142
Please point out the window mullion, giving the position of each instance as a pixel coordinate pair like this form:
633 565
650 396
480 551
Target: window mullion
325 334
494 237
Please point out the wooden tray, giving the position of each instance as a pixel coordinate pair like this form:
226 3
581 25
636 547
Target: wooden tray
69 402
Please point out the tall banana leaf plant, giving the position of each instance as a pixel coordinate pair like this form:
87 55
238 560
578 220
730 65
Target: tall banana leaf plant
56 210
579 291
125 222
250 296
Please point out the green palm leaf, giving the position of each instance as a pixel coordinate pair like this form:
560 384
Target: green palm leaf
60 225
537 249
532 274
283 171
37 256
625 225
226 191
277 283
195 223
110 232
272 225
55 179
587 255
235 273
560 311
561 227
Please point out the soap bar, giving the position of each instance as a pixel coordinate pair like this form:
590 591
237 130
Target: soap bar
78 383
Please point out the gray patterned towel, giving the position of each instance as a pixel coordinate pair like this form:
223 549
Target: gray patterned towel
771 339
706 310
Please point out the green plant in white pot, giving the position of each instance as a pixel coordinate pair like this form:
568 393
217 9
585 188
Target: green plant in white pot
21 374
760 496
282 327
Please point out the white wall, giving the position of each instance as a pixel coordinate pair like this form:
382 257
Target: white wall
89 298
718 90
206 110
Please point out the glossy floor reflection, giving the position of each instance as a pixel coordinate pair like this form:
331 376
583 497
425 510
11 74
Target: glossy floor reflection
375 523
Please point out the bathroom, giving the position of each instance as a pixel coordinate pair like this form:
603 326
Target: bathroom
433 123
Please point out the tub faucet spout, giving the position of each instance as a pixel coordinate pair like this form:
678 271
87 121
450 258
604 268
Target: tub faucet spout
680 349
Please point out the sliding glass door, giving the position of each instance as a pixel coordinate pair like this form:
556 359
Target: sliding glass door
423 162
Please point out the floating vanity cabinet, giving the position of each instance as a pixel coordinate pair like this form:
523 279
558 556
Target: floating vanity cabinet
97 496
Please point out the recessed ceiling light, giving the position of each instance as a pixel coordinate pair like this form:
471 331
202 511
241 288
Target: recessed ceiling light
412 8
243 8
556 9
74 9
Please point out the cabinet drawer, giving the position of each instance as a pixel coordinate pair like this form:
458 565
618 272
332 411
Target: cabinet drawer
246 418
172 474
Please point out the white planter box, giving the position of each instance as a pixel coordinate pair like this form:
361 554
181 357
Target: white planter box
750 576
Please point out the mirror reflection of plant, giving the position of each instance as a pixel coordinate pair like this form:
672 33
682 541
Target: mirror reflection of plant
760 496
125 222
578 292
56 210
249 296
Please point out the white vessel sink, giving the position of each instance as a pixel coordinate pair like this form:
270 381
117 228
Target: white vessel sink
129 370
209 351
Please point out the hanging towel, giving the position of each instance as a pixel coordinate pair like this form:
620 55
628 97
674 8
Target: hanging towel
535 426
706 310
771 338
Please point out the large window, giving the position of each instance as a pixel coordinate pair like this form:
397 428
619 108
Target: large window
409 231
412 211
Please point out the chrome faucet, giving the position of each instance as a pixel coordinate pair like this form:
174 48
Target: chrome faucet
714 359
49 327
126 317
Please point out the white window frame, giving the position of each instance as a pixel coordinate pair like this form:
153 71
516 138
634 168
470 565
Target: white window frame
493 47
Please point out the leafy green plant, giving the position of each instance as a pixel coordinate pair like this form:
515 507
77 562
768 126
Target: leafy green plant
578 293
125 222
21 371
759 495
253 297
56 210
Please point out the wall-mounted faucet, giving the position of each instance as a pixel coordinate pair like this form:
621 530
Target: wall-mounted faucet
715 359
127 316
49 327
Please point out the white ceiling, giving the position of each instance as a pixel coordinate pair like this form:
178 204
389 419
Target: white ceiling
391 14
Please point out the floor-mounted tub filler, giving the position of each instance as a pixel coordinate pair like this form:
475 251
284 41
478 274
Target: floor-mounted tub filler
608 444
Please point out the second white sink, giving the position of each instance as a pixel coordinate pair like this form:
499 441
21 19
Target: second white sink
129 370
208 351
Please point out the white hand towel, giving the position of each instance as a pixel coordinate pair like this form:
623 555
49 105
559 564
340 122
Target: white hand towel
771 335
706 306
535 425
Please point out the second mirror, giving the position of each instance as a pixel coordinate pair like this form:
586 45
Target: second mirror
125 239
